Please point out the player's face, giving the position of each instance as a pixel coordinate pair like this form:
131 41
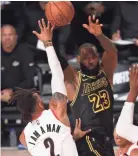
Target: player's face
8 36
89 60
119 140
89 57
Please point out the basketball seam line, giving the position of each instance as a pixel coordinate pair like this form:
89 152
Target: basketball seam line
55 21
52 15
68 6
61 12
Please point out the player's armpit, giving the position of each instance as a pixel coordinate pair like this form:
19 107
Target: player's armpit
22 139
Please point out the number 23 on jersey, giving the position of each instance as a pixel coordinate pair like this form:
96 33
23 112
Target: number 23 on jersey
100 101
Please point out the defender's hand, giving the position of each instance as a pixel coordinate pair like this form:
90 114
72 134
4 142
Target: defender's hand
93 28
46 33
6 95
133 74
78 133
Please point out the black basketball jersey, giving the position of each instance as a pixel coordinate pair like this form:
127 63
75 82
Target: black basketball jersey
93 103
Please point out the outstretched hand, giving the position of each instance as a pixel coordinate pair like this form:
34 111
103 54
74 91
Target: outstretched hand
6 95
46 33
78 133
94 28
133 74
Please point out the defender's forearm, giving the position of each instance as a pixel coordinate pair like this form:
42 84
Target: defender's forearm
57 82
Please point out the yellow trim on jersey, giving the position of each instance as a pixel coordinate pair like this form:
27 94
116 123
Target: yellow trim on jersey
91 147
108 79
77 90
92 77
104 72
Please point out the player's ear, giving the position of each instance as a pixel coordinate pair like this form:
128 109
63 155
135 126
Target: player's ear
39 101
41 105
78 58
16 37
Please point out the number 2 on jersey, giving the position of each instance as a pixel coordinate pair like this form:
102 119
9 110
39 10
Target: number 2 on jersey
99 101
48 142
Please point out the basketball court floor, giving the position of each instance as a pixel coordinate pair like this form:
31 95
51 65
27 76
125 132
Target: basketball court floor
16 152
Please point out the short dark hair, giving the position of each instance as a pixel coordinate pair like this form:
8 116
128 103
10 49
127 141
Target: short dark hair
25 101
86 45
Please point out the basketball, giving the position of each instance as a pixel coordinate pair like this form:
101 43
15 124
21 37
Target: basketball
59 13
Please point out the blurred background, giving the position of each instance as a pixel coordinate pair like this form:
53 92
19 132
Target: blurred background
24 62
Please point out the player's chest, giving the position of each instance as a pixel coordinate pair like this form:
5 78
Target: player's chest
93 86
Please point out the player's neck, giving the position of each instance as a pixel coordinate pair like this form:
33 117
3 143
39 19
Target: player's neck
36 115
123 149
88 72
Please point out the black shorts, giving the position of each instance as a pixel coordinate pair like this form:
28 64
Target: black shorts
95 145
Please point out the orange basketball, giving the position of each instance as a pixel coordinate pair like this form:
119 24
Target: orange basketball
59 13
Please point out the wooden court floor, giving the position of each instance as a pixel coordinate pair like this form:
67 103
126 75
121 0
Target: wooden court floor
14 152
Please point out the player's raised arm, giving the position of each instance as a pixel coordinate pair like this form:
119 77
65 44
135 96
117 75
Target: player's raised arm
57 83
109 59
125 127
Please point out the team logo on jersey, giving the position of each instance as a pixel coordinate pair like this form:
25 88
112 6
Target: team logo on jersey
90 87
15 63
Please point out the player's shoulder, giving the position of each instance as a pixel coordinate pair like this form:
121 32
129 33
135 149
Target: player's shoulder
134 152
46 111
27 128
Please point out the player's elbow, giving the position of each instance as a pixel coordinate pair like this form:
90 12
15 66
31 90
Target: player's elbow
120 128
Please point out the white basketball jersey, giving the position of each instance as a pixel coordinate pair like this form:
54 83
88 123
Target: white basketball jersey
134 146
47 136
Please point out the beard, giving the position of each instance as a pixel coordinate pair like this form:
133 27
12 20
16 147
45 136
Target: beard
90 72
